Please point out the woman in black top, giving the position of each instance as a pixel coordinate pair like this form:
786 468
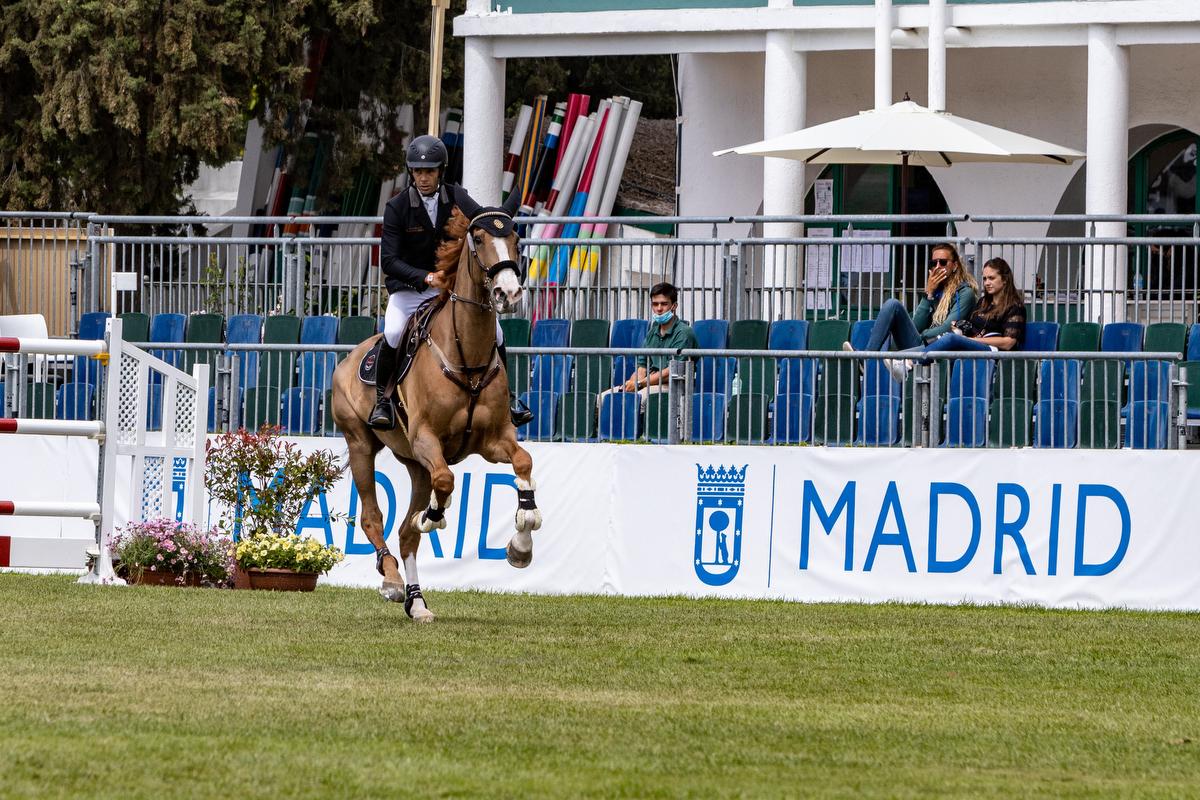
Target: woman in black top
996 323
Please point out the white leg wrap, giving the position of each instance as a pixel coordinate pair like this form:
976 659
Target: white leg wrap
527 519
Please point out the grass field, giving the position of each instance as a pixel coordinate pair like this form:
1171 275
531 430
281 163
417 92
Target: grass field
162 692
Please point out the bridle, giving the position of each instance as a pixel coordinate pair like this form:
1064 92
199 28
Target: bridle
474 379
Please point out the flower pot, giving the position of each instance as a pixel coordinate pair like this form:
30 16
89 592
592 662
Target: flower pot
146 577
281 580
241 578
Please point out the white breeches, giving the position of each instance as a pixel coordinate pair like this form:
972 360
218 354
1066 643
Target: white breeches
400 307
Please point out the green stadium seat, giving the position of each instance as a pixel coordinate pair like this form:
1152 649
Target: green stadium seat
1102 380
39 399
577 416
828 334
1079 337
277 369
747 419
589 333
135 326
355 330
833 419
1100 424
261 408
203 329
1010 422
658 418
1166 337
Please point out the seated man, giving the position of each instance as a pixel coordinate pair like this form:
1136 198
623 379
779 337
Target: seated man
666 332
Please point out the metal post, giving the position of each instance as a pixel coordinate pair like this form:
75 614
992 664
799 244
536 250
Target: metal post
1178 407
293 278
921 406
935 403
679 393
232 405
223 396
731 280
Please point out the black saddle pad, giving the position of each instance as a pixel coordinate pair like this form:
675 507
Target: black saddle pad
415 332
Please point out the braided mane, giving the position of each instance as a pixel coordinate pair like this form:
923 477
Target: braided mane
449 251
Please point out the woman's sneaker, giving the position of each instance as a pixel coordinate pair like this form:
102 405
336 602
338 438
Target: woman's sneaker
899 368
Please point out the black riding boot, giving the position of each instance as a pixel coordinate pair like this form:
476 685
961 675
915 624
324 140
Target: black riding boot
520 413
383 416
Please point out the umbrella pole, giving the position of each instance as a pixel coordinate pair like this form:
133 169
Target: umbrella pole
903 192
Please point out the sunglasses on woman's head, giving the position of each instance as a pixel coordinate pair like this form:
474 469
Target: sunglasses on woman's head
940 262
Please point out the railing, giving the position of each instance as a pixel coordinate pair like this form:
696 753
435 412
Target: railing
1094 400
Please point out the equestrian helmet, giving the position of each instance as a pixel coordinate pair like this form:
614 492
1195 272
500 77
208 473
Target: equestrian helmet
427 152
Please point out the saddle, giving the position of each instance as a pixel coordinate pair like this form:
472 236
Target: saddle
415 332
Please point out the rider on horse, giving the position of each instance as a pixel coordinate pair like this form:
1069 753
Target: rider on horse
413 226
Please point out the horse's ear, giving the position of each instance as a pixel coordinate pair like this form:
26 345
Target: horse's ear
465 203
512 203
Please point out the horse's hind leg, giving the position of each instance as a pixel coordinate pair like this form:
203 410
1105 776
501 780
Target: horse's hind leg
410 541
370 521
529 518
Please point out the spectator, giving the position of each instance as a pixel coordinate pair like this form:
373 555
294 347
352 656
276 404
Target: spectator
666 331
949 296
997 323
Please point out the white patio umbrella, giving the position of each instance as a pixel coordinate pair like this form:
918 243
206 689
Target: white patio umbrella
907 133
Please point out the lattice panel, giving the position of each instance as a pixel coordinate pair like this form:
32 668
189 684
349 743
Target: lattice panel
127 402
152 485
185 415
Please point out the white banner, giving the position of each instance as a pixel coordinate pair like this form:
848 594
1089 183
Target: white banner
1079 528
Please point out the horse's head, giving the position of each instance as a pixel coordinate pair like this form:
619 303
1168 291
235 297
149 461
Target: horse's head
494 249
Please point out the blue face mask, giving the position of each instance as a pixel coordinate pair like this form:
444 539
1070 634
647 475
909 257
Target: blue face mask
663 318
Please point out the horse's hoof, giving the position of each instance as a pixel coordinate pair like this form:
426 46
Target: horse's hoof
517 558
422 615
392 592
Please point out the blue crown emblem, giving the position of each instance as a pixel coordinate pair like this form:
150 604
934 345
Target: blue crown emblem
720 494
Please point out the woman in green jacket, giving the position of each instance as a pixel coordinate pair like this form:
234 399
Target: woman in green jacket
950 293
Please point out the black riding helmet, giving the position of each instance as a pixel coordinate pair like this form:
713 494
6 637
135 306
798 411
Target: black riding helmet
427 152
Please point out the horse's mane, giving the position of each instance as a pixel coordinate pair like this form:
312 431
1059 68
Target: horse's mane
449 251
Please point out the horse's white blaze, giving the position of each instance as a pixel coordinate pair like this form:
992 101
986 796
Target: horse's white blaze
507 282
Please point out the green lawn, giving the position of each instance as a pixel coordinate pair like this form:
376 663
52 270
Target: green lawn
162 692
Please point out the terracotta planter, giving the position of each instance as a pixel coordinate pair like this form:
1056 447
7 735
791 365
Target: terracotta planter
147 578
241 578
281 580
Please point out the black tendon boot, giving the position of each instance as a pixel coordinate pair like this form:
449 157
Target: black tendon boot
520 413
383 416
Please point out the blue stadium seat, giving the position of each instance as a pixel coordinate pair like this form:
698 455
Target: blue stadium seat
318 330
879 420
91 327
788 334
245 329
154 406
316 370
714 374
1056 423
971 378
626 333
167 328
798 376
553 333
966 422
1041 337
298 411
1122 337
620 417
708 417
1149 381
544 426
74 401
1193 343
1147 426
1059 380
860 333
877 380
551 373
791 420
711 334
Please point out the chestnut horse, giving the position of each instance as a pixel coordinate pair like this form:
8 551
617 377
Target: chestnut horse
454 401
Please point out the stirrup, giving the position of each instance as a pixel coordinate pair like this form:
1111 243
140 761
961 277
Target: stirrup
383 416
520 413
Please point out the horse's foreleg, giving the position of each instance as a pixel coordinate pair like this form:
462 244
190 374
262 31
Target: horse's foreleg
428 451
528 518
370 521
410 541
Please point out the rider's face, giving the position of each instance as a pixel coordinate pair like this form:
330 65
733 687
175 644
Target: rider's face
425 179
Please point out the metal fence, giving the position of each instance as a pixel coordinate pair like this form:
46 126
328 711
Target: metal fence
845 268
1093 400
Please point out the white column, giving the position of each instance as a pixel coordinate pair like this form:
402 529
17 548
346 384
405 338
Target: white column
1107 169
483 120
883 53
937 55
784 103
